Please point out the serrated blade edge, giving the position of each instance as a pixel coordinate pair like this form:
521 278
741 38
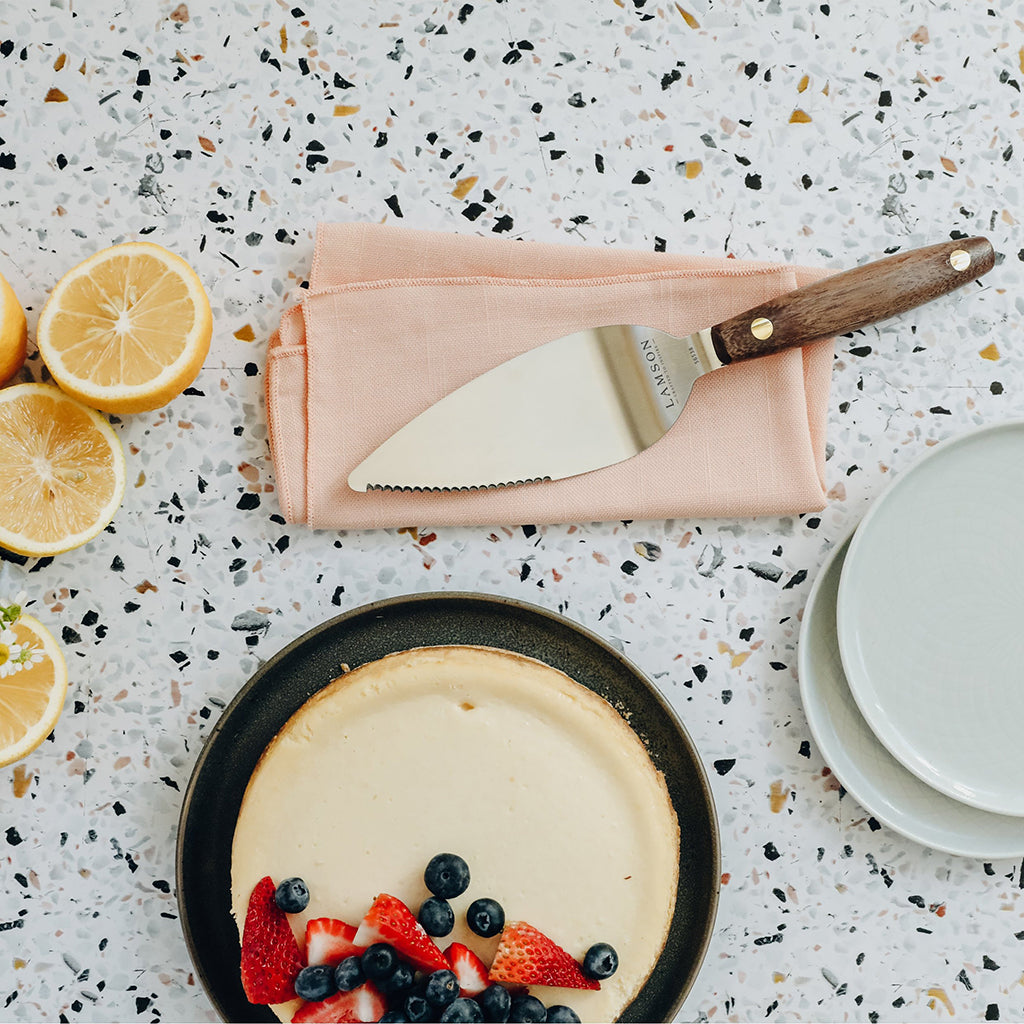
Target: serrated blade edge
417 489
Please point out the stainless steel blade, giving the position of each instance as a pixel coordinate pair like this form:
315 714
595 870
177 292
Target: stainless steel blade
575 404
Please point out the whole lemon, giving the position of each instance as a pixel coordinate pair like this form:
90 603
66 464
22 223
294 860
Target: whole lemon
13 332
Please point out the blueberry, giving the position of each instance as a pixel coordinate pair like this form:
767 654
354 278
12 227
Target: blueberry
447 875
485 917
463 1011
379 960
559 1014
528 1009
398 982
315 982
292 896
393 1017
436 916
495 1003
442 988
417 1009
349 974
601 961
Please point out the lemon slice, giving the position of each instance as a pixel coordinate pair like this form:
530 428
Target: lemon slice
127 329
33 684
62 472
13 332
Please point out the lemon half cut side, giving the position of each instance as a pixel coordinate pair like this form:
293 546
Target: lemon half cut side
33 685
127 329
62 471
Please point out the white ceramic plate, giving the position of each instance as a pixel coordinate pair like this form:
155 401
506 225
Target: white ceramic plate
930 618
871 775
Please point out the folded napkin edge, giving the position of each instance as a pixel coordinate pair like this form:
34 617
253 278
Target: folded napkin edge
747 269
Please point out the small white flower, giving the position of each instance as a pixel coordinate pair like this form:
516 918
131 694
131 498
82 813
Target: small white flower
18 600
10 659
31 655
14 656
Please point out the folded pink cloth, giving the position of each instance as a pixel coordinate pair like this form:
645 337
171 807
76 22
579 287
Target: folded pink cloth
396 319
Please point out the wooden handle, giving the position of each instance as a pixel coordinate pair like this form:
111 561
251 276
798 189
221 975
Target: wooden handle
853 299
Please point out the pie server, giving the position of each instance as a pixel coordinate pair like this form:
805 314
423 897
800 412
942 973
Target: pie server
604 394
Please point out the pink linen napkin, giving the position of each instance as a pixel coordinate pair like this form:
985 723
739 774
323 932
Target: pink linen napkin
397 318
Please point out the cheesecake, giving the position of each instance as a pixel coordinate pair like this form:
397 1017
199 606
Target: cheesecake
538 783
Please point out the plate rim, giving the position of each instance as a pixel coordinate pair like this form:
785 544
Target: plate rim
880 725
421 597
811 621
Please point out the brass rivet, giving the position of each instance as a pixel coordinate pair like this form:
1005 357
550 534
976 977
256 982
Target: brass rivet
762 328
959 259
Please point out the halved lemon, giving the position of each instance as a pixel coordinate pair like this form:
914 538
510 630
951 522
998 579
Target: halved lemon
33 684
13 332
62 472
127 329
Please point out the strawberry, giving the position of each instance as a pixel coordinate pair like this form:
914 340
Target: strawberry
329 941
360 1006
526 956
270 955
469 969
390 920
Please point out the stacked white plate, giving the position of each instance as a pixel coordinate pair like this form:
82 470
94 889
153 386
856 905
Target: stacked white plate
911 655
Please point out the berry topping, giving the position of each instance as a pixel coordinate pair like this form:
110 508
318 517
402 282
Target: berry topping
270 955
442 988
398 982
447 875
292 896
469 969
485 917
495 1002
527 1008
361 1004
436 916
315 982
600 961
349 974
329 941
526 956
559 1014
379 961
417 1009
393 1017
463 1011
390 920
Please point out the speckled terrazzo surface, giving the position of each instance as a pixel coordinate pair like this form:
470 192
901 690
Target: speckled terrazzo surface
822 134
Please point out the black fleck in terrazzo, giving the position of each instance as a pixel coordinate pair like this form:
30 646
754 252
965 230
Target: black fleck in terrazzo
822 134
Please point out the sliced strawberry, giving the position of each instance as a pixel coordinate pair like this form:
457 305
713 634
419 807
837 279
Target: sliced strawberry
469 969
329 941
360 1006
526 956
390 920
270 955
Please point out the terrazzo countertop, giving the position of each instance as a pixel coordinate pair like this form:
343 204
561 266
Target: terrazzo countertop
822 134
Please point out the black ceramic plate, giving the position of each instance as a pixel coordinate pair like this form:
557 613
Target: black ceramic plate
365 634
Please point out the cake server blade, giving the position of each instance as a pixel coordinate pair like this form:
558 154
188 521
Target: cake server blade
601 395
